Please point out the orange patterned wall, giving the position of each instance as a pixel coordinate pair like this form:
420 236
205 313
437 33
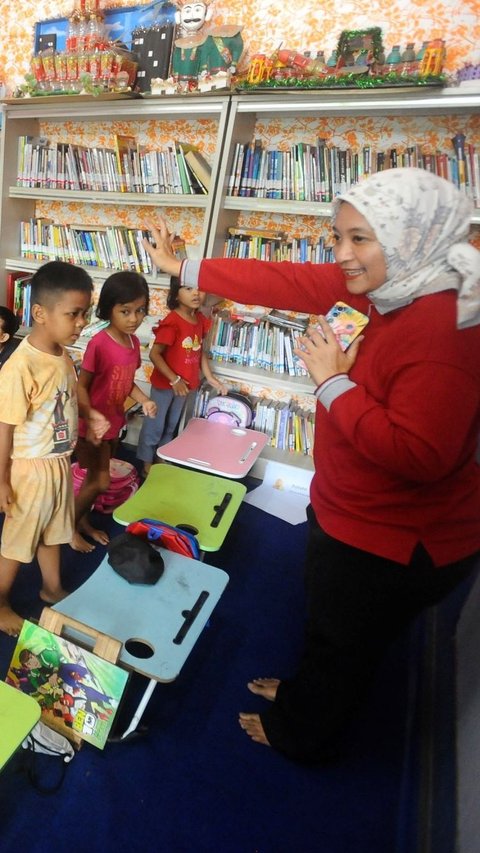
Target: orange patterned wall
265 23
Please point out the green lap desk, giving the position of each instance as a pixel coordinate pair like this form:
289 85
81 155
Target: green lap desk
18 715
203 504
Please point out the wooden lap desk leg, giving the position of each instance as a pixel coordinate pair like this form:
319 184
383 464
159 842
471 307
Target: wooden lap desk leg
158 625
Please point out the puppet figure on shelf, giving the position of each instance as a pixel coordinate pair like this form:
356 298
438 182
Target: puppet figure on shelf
204 57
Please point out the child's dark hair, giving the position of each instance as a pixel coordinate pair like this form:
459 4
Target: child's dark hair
172 298
9 322
120 288
57 277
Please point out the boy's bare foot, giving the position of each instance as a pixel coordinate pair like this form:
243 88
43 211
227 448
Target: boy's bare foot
78 543
52 597
97 535
10 622
251 724
266 687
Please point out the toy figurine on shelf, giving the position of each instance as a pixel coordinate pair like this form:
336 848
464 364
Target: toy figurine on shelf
433 58
259 69
202 54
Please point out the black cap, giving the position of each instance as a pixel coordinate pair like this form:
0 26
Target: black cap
134 559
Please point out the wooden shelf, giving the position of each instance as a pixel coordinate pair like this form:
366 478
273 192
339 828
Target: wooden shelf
101 197
301 385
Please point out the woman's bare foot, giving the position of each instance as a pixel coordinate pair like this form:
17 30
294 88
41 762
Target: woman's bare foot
52 597
78 543
251 724
266 687
10 622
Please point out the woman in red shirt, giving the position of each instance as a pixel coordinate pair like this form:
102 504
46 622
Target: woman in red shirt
394 521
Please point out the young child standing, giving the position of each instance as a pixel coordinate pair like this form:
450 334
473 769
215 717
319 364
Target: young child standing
178 357
38 430
107 378
9 324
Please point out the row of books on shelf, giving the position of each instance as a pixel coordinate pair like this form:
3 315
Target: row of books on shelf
128 168
18 299
262 344
18 296
288 426
319 172
105 247
267 245
144 333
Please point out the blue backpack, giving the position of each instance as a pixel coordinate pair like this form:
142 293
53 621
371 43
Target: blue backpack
169 537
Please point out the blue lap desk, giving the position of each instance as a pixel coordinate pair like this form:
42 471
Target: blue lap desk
158 625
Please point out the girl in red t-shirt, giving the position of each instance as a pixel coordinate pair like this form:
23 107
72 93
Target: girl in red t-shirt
107 378
179 361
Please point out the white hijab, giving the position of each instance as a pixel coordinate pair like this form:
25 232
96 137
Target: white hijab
422 223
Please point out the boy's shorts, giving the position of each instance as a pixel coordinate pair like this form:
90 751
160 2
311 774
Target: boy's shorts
43 506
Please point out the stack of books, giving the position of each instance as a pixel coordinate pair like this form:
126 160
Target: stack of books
266 344
18 296
288 425
320 171
114 247
128 167
266 245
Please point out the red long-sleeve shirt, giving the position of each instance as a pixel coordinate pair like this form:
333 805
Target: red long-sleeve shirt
395 457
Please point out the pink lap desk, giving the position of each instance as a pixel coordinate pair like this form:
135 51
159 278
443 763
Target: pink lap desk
215 448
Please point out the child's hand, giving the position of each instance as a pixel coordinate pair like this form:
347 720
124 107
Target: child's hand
98 425
180 388
149 408
6 497
220 386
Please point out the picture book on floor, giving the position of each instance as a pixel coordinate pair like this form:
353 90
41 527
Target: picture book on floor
78 691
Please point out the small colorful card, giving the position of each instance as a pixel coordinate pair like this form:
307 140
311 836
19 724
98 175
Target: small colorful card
78 691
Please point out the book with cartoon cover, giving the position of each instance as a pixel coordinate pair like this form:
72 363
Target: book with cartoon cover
78 691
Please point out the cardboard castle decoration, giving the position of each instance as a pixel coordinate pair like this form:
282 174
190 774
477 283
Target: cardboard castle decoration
153 47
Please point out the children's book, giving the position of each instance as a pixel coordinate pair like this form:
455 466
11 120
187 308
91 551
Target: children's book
199 166
78 691
124 145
